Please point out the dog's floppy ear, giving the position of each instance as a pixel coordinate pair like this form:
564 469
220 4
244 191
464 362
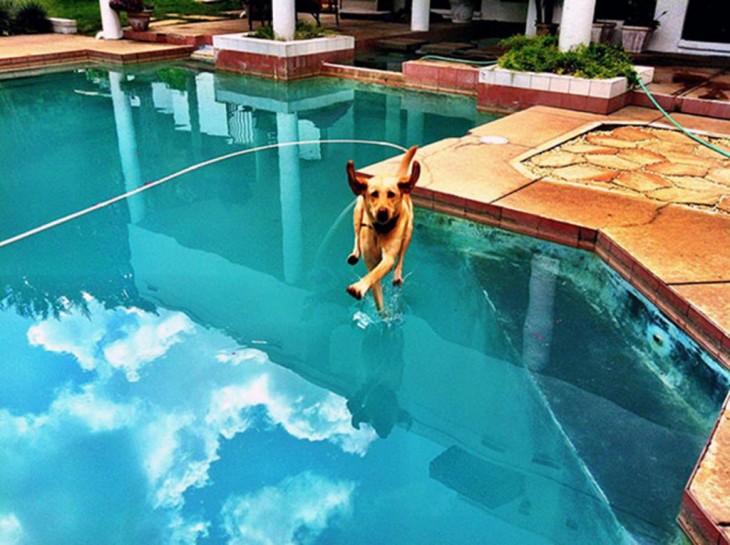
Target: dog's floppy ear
402 173
407 183
358 183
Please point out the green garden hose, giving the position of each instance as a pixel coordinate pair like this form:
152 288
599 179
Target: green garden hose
680 127
641 84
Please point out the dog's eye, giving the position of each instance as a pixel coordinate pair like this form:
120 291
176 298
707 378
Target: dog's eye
374 194
391 194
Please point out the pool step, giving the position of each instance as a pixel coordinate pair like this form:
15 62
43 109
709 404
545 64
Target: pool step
204 54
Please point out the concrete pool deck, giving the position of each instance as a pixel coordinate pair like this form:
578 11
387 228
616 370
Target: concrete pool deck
43 50
651 203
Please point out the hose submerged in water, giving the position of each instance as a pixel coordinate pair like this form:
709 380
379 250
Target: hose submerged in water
150 185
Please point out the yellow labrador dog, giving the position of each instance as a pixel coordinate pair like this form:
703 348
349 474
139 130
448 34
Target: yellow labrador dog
383 223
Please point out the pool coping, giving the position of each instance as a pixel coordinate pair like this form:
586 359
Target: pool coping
701 518
33 52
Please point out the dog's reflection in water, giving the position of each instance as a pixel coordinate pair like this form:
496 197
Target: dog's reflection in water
376 400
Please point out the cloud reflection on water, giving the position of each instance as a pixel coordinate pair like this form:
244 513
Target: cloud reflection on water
167 393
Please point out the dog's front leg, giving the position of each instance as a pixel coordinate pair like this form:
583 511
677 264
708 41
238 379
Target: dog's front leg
398 273
357 218
360 288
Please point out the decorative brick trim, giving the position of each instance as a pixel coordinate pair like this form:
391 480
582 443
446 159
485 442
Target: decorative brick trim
278 59
280 68
366 75
697 524
503 89
448 77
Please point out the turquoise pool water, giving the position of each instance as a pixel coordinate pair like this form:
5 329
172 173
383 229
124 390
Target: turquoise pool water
184 366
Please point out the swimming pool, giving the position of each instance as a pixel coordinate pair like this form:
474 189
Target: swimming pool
184 366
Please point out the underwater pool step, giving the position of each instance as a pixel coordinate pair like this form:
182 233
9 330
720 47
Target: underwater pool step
401 44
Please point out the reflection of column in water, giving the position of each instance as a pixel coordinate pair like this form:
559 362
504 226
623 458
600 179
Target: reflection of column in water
392 118
127 144
191 89
537 333
261 138
287 126
414 127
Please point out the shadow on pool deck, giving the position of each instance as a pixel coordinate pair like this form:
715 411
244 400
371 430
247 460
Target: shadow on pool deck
654 205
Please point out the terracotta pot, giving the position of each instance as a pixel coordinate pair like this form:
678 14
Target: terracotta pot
139 21
602 32
462 11
546 29
634 38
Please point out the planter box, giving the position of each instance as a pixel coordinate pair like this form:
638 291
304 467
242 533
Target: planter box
503 89
280 59
63 26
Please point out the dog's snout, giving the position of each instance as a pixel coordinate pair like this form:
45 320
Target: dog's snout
382 215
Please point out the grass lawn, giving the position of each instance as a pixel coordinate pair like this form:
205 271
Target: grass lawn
86 12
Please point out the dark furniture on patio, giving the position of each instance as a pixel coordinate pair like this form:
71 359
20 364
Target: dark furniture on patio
260 10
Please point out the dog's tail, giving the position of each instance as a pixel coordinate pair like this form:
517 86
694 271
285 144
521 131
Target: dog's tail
405 163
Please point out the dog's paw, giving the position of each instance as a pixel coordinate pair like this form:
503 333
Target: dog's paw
354 291
353 258
397 281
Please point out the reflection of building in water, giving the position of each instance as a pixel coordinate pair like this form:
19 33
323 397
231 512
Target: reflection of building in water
241 124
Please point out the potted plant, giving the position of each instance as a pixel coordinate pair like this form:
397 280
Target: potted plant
138 14
638 25
462 11
602 31
545 9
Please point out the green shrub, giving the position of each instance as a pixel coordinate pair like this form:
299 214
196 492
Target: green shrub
303 31
30 18
6 17
541 54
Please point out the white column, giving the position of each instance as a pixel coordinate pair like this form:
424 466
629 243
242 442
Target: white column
287 127
420 15
127 143
531 18
111 26
283 18
576 23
